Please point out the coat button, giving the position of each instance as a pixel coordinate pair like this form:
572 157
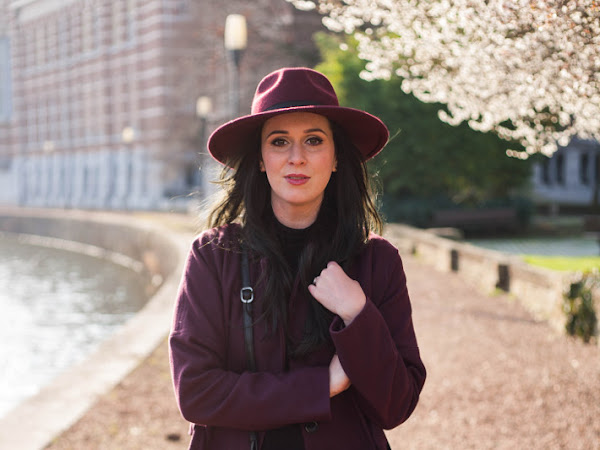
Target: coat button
311 427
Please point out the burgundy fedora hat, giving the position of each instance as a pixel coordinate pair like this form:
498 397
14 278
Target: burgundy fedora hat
297 89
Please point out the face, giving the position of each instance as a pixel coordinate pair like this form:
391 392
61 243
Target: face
298 156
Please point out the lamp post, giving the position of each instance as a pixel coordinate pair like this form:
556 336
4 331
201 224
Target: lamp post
235 44
203 109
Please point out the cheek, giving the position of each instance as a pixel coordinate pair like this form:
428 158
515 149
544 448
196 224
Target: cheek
269 164
329 164
266 162
272 170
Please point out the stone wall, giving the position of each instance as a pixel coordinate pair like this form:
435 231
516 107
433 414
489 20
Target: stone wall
539 290
154 252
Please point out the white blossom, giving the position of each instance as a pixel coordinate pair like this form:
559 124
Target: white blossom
528 70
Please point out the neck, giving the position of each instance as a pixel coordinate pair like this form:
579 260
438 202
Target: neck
298 217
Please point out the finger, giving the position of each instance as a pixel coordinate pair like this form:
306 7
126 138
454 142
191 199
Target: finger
334 268
312 289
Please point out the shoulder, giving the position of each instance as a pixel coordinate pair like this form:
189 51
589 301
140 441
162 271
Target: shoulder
224 236
380 258
218 240
379 269
381 247
215 250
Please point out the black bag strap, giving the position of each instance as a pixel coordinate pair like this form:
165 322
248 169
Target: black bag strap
247 297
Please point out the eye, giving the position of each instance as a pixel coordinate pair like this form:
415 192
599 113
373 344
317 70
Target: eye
278 142
314 140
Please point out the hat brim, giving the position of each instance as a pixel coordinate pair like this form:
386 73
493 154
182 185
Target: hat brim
366 131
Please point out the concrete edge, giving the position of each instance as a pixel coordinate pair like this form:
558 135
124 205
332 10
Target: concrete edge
38 420
538 289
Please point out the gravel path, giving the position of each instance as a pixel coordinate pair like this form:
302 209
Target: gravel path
497 379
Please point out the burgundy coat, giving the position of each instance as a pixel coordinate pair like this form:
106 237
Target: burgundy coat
378 352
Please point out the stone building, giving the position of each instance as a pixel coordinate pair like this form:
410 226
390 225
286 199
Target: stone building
569 178
98 97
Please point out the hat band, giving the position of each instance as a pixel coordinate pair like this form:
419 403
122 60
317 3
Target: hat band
291 104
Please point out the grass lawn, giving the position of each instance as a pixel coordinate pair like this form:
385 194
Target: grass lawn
575 263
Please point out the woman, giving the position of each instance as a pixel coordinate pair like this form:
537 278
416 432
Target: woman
336 359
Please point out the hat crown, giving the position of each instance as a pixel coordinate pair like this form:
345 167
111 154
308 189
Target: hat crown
282 89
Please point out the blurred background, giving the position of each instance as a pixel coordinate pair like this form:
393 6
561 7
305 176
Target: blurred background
108 105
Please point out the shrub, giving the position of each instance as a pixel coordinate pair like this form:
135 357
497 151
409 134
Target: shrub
579 308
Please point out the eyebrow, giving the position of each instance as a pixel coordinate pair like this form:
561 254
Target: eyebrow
310 130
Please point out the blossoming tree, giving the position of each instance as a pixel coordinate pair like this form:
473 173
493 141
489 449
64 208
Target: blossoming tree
528 70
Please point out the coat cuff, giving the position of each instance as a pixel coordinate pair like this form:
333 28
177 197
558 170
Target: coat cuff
338 326
353 335
313 389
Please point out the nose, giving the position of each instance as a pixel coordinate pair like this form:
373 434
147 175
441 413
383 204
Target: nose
297 156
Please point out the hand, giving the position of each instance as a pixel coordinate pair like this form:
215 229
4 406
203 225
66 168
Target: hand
338 380
339 293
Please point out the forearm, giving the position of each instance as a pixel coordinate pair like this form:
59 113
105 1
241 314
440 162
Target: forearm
250 401
391 384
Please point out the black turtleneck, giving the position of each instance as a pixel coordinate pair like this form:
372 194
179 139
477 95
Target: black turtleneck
292 243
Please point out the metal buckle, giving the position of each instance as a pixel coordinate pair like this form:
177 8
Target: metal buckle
247 294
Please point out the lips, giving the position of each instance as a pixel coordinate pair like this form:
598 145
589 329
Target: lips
296 178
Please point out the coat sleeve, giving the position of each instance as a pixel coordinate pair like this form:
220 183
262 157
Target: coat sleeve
210 394
379 351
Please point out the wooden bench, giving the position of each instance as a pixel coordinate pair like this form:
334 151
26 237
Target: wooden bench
591 223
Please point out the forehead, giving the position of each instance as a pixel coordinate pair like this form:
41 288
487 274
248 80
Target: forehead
296 120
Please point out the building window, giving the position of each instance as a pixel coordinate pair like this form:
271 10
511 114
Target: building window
5 80
546 171
182 7
560 169
87 30
96 28
40 46
5 163
51 42
584 168
117 24
131 20
63 40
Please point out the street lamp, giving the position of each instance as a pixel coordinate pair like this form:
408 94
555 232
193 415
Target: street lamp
236 40
128 135
203 109
48 146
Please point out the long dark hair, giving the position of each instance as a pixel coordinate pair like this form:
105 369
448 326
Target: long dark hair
347 216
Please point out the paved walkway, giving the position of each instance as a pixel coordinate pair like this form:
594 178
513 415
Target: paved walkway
497 379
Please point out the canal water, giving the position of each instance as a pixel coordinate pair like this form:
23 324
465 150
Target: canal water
551 246
55 309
